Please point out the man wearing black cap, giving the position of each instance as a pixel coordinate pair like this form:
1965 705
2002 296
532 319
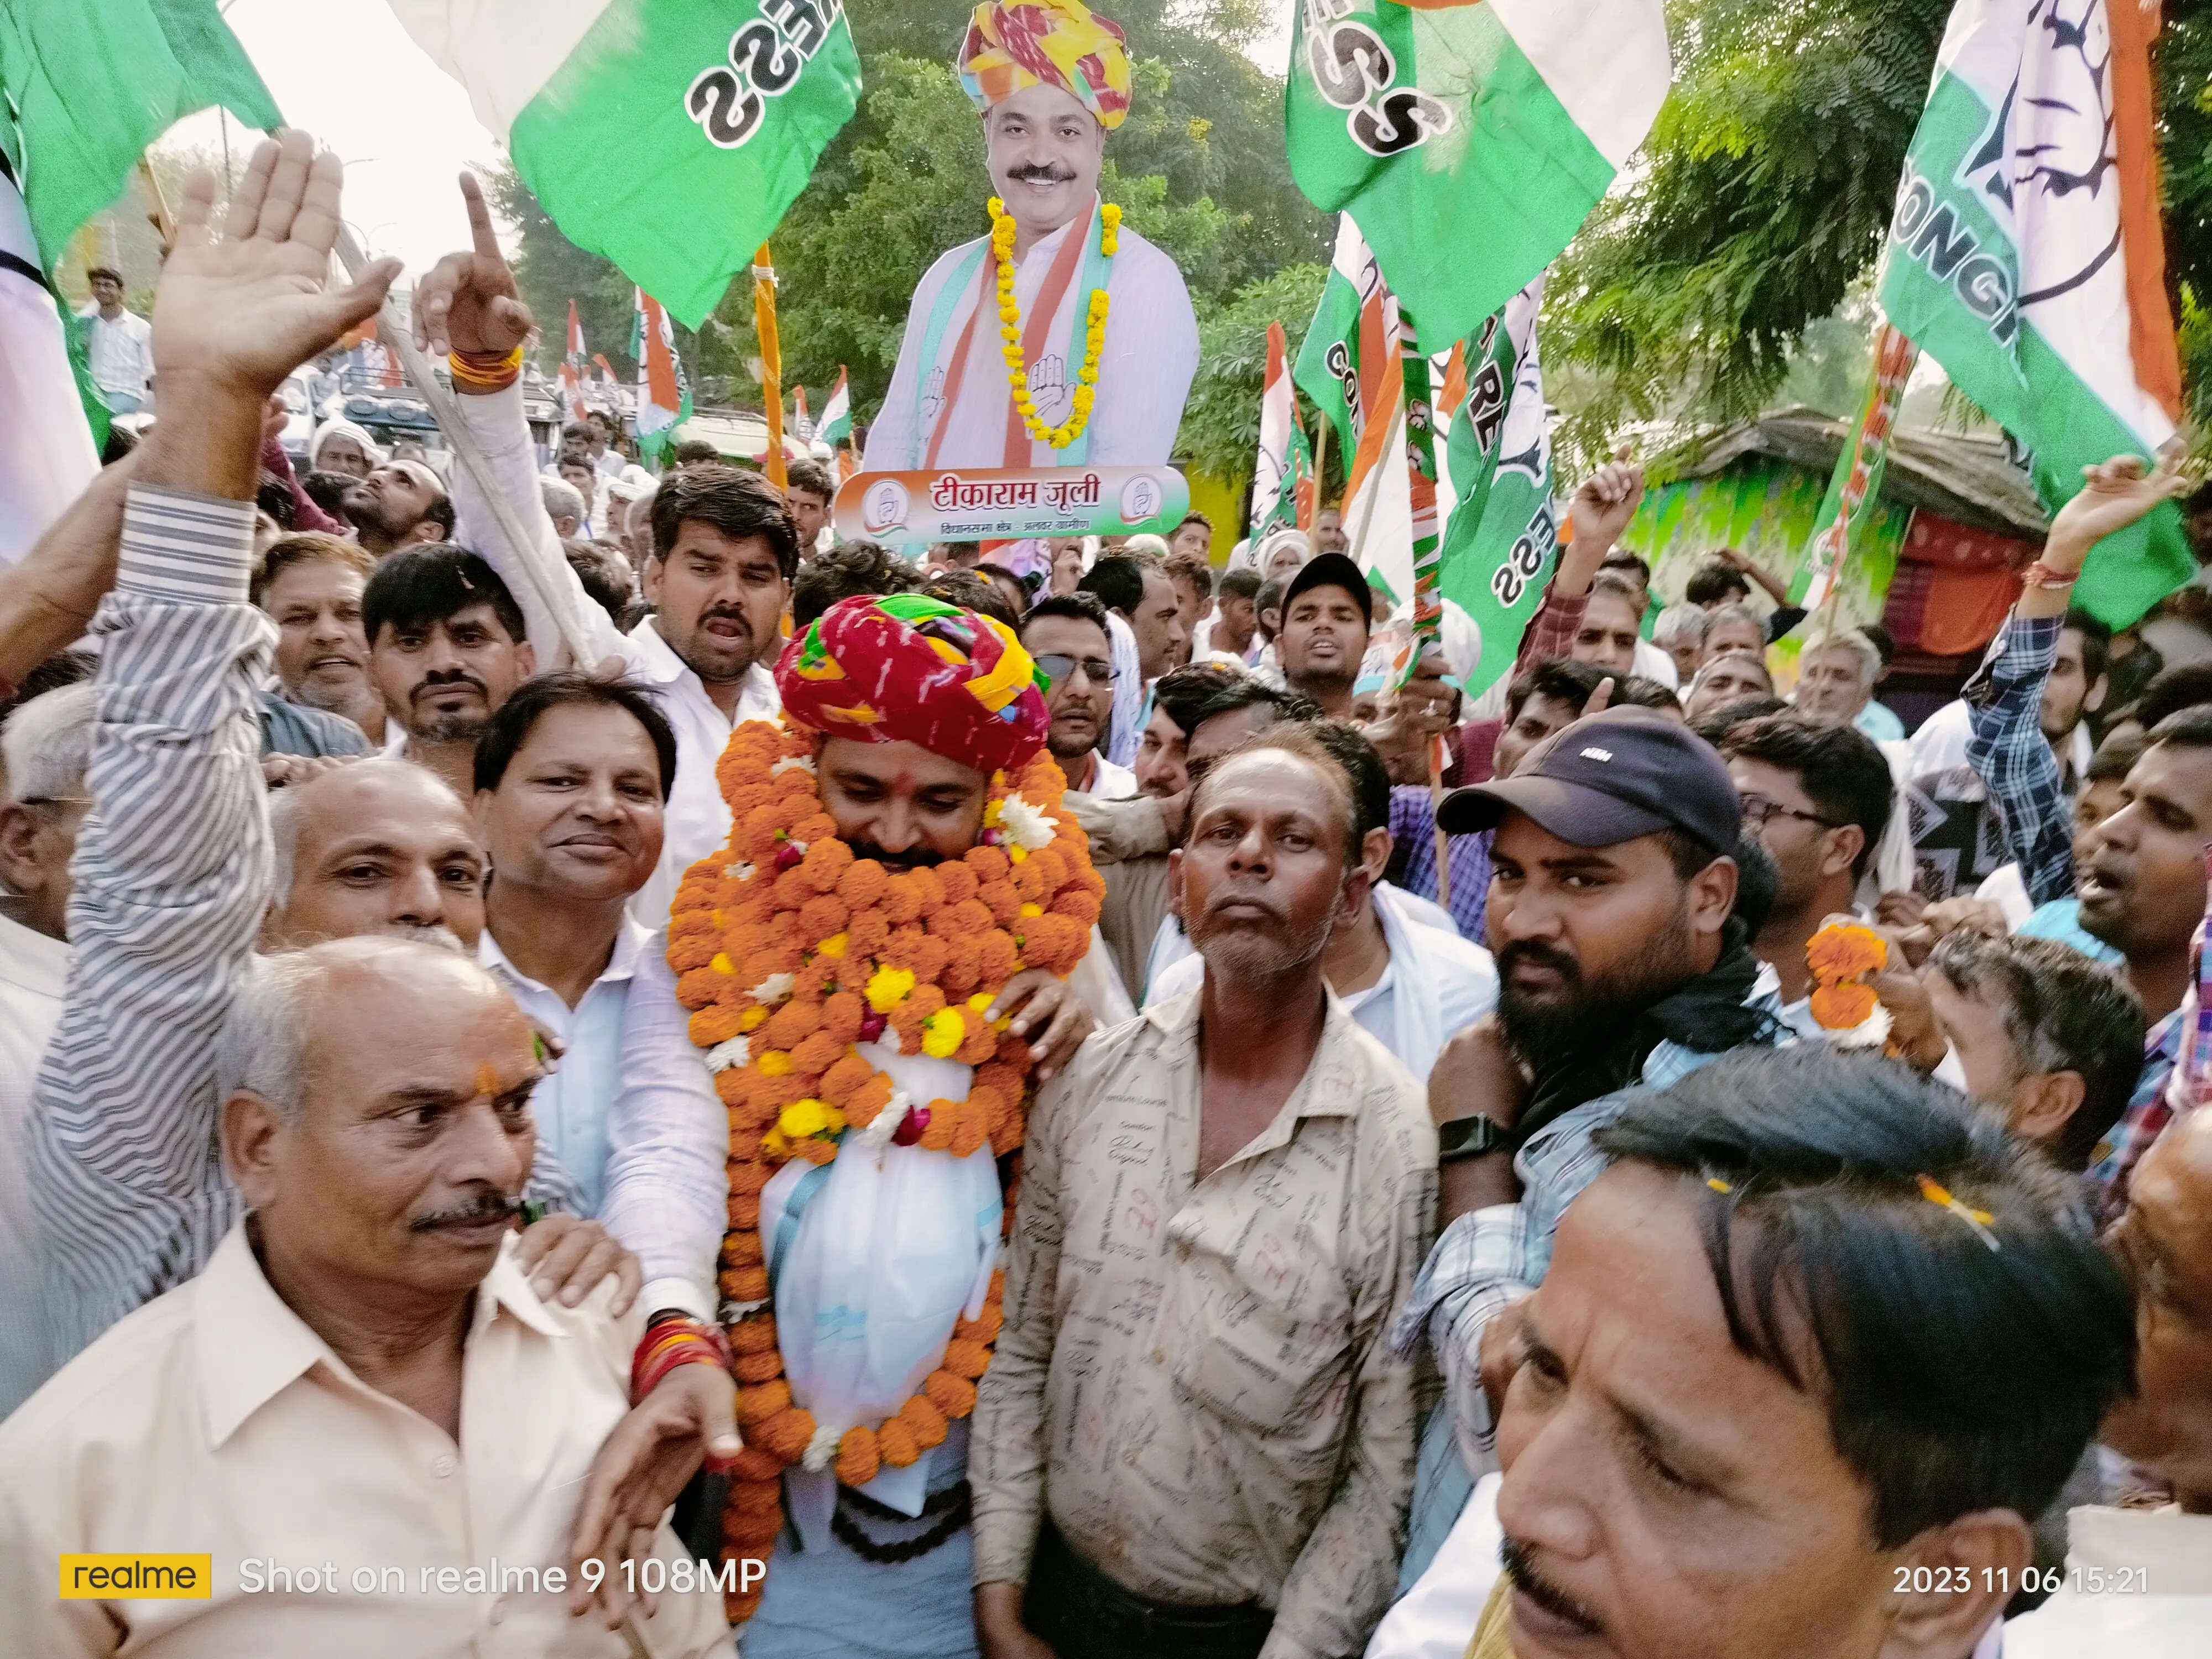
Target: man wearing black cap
1327 611
1623 956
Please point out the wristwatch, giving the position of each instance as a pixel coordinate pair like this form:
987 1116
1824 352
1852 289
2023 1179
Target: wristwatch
1471 1137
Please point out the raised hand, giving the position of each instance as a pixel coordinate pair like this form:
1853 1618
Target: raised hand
469 302
2113 496
237 310
1607 499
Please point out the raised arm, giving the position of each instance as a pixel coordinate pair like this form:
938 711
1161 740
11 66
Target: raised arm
469 305
1603 505
47 599
172 865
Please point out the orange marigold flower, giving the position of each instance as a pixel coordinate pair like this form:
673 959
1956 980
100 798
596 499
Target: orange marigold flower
713 1024
823 915
745 1283
929 885
694 949
944 1118
1028 880
1002 900
1839 1007
752 1464
1006 1137
766 964
919 1414
746 1176
863 885
742 1249
816 826
816 1054
867 934
786 1435
1001 1080
841 1015
966 1359
964 968
988 863
958 881
953 1395
869 1099
995 1292
816 1152
1077 902
734 1086
761 1496
755 1333
738 1606
984 1327
750 1533
896 1442
698 987
792 1025
843 1079
902 900
745 1210
996 957
755 1368
857 1462
980 1044
759 1404
827 860
969 1128
1050 864
1013 1052
1844 953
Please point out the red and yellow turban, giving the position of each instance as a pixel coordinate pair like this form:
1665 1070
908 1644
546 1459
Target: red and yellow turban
1060 43
911 669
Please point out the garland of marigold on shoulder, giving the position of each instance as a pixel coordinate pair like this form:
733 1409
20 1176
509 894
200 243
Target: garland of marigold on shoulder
791 951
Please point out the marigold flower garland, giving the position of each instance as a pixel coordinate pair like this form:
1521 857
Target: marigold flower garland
1010 329
1840 956
790 952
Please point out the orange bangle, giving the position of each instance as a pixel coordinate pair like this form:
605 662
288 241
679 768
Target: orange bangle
485 371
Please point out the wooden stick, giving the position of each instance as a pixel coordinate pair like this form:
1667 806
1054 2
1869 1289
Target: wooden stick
771 350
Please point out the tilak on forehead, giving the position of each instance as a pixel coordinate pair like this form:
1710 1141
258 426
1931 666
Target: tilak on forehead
911 669
1057 43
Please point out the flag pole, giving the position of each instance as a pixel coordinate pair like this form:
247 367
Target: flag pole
1321 466
771 351
394 331
1428 612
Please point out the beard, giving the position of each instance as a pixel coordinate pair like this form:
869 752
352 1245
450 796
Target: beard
1239 948
450 728
1588 1013
915 858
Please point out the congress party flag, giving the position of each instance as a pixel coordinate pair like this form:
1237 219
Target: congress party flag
1276 479
1500 543
1471 137
837 427
1855 484
572 367
669 136
2024 255
664 395
1348 365
92 83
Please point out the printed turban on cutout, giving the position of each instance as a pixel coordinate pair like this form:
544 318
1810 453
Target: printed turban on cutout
911 669
1060 43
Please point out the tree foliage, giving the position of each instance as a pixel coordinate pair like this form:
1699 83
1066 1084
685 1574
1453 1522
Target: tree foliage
1221 421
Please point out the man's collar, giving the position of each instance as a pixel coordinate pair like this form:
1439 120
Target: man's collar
32 960
1321 1093
656 662
251 1346
631 938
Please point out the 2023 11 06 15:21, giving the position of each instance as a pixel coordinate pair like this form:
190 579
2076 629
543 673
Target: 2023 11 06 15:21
2083 1581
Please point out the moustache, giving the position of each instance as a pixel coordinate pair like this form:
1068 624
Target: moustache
1513 1555
444 938
1536 955
436 682
492 1206
1041 173
1223 897
913 858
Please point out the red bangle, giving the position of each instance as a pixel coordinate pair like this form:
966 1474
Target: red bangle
2040 575
672 1340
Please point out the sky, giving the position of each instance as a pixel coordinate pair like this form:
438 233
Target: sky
346 71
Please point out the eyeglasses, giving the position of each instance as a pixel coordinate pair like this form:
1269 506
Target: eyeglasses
1757 808
1058 667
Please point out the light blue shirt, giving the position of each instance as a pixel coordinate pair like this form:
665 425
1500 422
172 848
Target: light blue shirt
572 1105
1880 723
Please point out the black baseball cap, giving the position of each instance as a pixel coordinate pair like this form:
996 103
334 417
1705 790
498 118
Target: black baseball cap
1608 778
1332 570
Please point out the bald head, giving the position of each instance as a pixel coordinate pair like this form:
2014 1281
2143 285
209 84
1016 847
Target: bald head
2164 1242
376 846
378 1169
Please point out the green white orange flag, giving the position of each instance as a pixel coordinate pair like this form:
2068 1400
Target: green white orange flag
669 136
1348 363
1504 530
572 368
1855 484
837 427
2024 257
1472 138
1285 465
86 85
664 395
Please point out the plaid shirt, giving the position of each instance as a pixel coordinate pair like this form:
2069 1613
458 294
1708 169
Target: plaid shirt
2004 703
1551 632
2149 1110
1489 1257
1414 827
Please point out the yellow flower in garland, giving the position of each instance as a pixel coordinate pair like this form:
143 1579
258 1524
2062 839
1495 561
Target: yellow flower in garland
888 987
1010 329
942 1033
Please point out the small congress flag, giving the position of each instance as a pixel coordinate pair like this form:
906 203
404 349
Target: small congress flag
669 136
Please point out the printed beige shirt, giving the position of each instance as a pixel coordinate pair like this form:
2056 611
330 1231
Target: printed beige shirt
1194 1376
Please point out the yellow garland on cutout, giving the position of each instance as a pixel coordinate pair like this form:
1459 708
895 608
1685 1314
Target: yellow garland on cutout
1010 329
790 950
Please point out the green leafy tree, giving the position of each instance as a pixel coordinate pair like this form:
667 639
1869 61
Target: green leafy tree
1220 435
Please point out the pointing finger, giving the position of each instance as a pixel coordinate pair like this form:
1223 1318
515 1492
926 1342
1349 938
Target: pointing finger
481 234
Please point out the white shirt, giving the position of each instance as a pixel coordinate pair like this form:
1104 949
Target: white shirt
1145 371
2138 1586
1434 984
121 353
1653 664
1436 1618
32 969
1110 781
215 1420
697 821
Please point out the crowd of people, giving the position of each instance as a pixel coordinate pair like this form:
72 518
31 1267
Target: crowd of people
580 1091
